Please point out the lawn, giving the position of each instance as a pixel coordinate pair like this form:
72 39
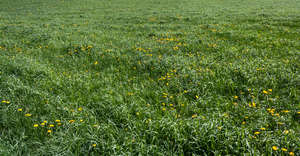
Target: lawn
149 77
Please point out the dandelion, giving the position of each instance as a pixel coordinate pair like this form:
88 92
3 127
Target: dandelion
275 148
265 92
28 115
171 105
71 121
20 110
96 63
45 121
298 112
81 120
51 125
57 120
235 97
284 149
35 125
197 96
243 123
182 105
285 131
94 145
194 116
256 133
291 153
59 124
42 124
80 109
285 111
137 113
262 129
49 131
164 109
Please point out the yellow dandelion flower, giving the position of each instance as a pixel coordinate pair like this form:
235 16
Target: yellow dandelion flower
137 113
275 148
194 116
270 90
49 131
298 112
171 105
81 120
96 63
256 133
20 110
197 96
35 125
28 115
235 97
59 124
286 131
45 121
182 105
57 120
51 125
42 124
80 109
71 121
262 129
164 109
291 153
265 92
185 91
284 149
94 145
285 111
243 123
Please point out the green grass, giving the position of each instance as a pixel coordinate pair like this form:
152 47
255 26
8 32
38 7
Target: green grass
153 77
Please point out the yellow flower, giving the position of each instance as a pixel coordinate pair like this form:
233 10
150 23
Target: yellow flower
57 120
291 153
275 148
284 149
28 115
256 133
270 90
197 96
96 63
51 125
262 129
235 97
80 109
94 145
265 92
81 120
194 116
298 112
286 131
164 109
171 105
20 109
71 121
137 113
182 104
35 125
49 131
285 111
42 124
45 121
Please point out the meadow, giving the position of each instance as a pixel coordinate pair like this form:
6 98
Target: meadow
151 77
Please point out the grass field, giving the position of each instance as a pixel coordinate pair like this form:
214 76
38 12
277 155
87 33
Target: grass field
151 77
